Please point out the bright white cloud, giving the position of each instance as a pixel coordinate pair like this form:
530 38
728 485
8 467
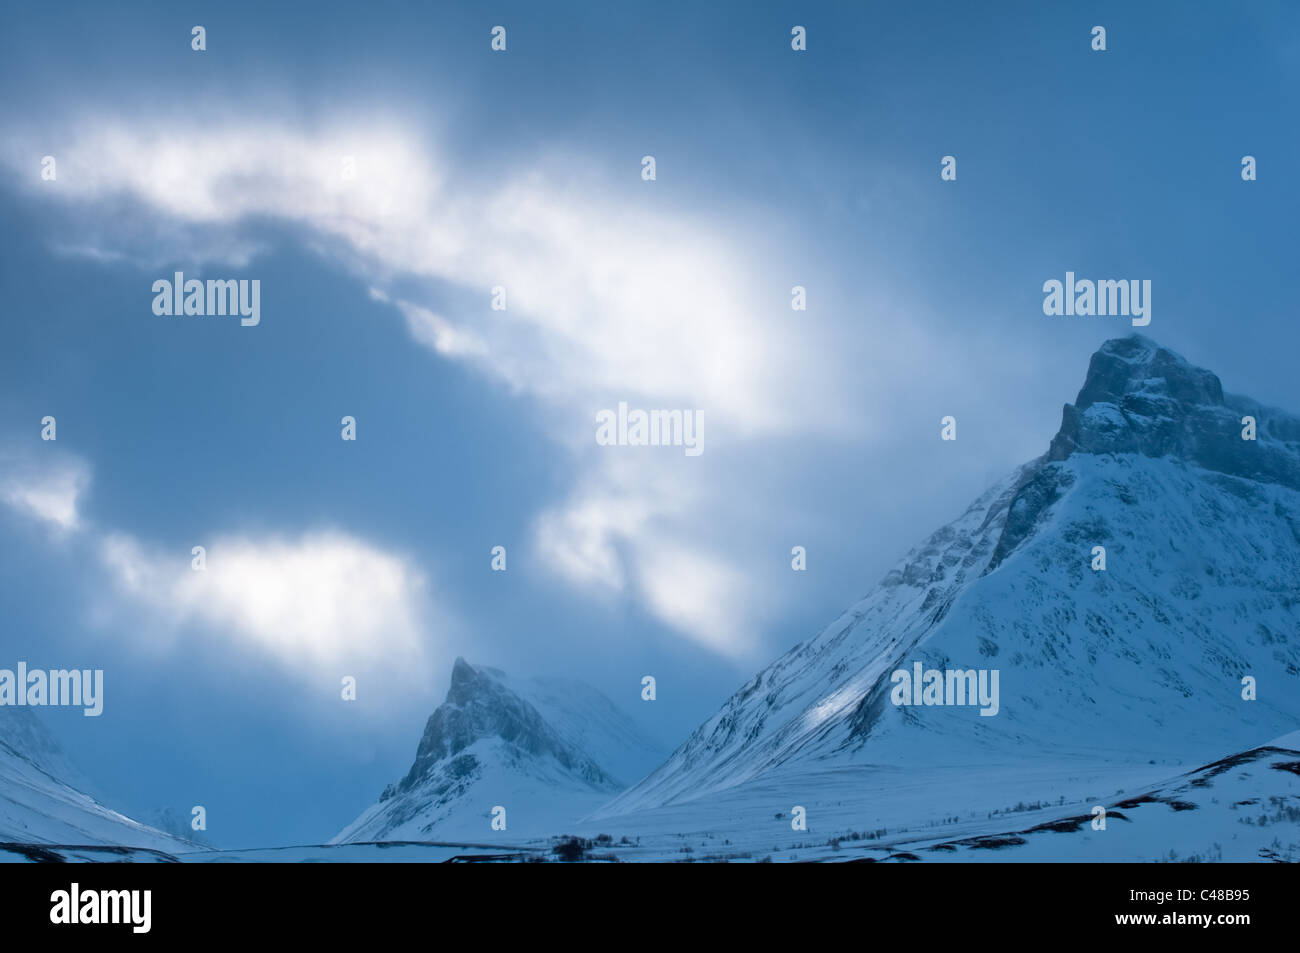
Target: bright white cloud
609 297
700 594
634 526
581 540
606 295
326 601
48 490
436 332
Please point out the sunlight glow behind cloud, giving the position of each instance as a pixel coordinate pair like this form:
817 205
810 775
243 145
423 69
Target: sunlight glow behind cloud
326 601
609 299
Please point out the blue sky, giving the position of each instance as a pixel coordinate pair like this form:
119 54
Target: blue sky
475 428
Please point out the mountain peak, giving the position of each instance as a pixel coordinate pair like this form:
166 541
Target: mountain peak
1139 397
1137 366
481 706
546 747
465 681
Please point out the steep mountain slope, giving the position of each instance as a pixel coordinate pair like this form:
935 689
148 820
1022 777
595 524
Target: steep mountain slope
548 750
39 804
1141 661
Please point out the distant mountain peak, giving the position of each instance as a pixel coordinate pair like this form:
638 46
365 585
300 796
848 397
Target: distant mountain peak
549 750
481 706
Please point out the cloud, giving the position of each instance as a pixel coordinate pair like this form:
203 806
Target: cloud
50 490
605 292
701 594
436 332
580 541
610 295
324 601
633 526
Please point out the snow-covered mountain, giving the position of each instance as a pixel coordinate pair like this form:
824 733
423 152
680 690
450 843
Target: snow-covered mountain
1137 663
41 801
548 750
